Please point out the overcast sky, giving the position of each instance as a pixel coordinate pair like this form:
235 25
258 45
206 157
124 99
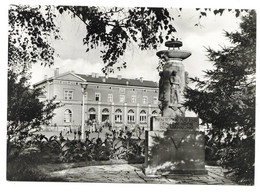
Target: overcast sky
72 55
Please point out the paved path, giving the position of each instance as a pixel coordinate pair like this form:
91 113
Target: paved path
128 173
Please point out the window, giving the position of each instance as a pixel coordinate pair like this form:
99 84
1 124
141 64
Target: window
68 95
122 90
122 98
97 97
97 86
133 99
131 116
145 100
143 117
155 100
133 90
105 114
110 98
144 90
118 116
92 114
154 113
67 116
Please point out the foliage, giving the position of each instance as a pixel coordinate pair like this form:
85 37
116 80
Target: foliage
23 159
28 43
24 156
113 29
226 101
116 145
30 30
22 166
25 112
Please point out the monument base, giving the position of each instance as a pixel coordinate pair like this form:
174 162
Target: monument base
163 170
175 146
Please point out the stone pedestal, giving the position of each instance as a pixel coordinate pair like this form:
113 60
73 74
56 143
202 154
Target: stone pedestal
175 146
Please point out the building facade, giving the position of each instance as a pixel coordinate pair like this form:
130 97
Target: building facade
119 101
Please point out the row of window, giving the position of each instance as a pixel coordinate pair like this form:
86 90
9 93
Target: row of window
105 115
122 98
121 90
68 95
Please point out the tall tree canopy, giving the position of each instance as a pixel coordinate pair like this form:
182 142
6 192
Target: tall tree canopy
226 100
113 29
30 30
28 42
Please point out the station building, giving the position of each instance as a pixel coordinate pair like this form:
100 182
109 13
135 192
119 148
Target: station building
117 100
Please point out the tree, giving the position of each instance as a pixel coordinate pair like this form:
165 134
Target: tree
29 30
113 29
226 100
28 42
25 113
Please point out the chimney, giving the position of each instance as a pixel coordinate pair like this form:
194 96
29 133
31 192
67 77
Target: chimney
104 79
45 77
93 74
97 76
141 79
127 82
56 72
119 77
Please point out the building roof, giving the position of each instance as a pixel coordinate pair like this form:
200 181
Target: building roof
94 78
119 81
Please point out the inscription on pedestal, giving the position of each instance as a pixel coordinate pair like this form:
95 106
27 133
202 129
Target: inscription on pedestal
179 123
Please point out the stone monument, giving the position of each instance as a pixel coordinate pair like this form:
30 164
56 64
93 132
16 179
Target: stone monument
174 144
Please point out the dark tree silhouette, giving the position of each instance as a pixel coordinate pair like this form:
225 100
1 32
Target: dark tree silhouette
226 100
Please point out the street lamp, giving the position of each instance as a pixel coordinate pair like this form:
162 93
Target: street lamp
84 86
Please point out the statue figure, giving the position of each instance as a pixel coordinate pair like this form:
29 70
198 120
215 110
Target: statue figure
174 90
161 91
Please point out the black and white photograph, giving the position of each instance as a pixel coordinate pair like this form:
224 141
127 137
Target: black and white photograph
136 94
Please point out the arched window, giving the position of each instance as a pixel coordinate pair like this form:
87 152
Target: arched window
105 111
154 113
143 116
118 116
105 114
67 116
92 114
131 116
